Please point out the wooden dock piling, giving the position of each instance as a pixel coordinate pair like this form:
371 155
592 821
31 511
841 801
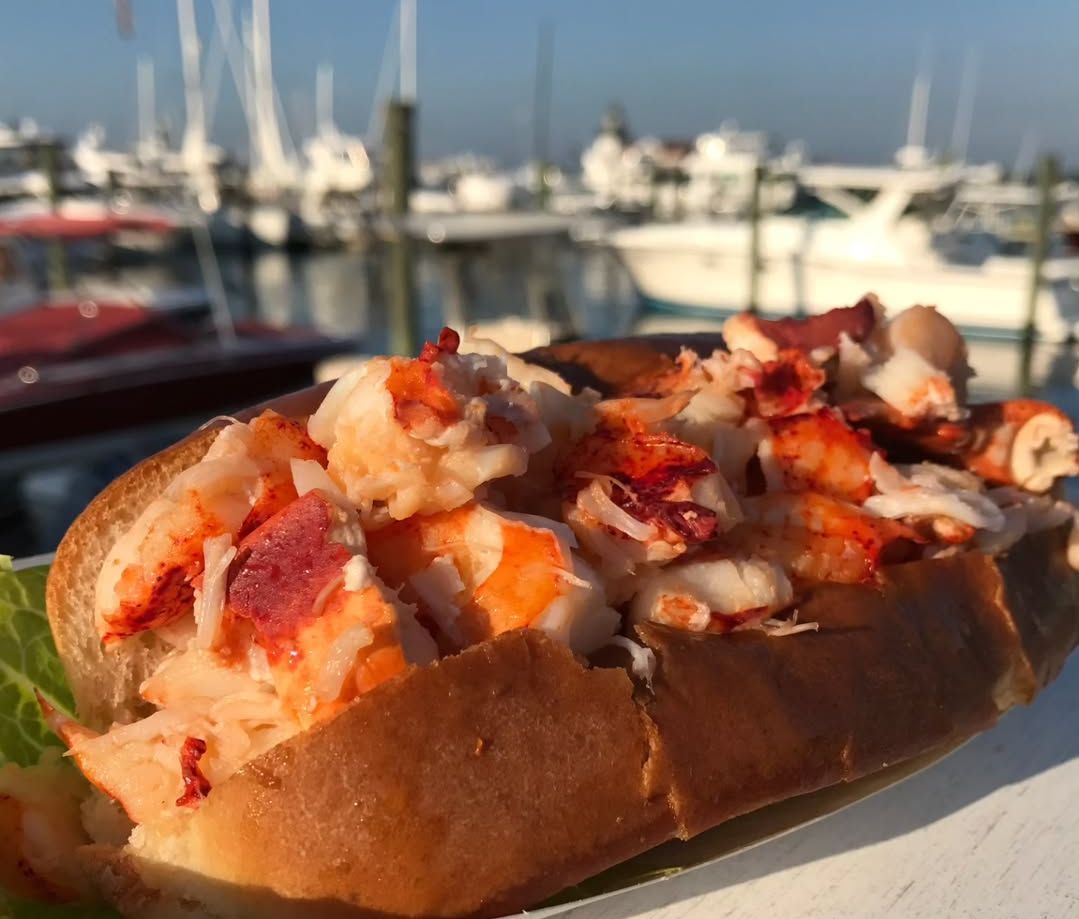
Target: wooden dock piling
397 172
56 254
755 239
1047 178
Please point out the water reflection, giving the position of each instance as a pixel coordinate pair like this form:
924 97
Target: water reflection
583 290
274 291
998 367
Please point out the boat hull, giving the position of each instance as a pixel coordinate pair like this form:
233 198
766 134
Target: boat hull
989 299
276 227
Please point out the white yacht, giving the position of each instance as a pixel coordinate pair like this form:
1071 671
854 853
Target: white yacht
812 263
464 183
21 173
714 174
616 170
721 173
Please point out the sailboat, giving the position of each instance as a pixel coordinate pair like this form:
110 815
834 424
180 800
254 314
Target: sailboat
292 197
274 174
153 167
337 169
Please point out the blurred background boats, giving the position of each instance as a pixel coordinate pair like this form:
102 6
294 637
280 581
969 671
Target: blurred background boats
144 290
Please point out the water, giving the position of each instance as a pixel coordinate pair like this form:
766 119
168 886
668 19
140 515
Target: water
340 293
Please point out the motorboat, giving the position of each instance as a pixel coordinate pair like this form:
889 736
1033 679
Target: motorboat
715 173
464 184
75 364
73 369
812 262
722 169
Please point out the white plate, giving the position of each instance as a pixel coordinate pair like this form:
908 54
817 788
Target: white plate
675 858
32 561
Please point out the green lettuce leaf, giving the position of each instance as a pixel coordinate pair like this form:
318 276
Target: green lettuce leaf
28 659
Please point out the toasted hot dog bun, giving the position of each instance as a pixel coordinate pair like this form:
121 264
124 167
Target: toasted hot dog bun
106 682
485 782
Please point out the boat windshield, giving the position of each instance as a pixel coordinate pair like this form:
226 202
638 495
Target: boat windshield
807 204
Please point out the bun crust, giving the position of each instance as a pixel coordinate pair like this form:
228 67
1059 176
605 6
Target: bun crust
106 682
932 654
496 777
489 780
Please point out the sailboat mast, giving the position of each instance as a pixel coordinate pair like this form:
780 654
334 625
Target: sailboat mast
144 83
253 151
193 149
373 135
271 154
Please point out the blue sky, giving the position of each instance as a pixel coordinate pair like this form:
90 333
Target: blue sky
834 72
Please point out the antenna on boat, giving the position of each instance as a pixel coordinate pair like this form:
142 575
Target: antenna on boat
913 154
254 154
212 73
964 108
190 57
919 102
324 101
1024 157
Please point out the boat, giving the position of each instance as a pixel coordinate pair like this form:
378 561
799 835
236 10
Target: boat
72 366
721 172
464 184
337 170
86 217
616 170
864 228
714 173
1009 210
298 200
67 371
483 192
21 169
187 176
90 231
811 263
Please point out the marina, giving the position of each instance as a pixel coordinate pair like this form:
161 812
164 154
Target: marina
559 286
570 454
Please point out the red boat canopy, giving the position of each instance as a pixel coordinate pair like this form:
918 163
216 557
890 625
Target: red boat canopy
59 226
59 330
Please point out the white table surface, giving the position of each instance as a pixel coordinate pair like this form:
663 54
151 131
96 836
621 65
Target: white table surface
990 832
